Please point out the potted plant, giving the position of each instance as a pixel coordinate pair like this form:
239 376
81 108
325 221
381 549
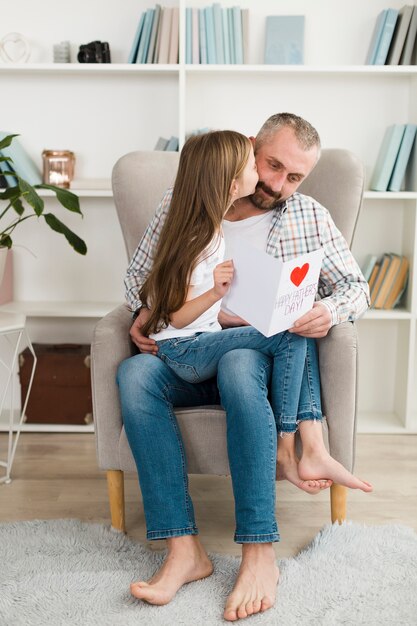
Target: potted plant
22 202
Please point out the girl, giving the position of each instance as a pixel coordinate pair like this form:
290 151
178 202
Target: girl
189 277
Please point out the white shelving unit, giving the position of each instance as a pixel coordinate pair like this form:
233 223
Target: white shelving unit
103 111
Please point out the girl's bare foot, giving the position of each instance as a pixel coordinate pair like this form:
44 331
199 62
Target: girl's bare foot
186 561
255 587
287 469
321 463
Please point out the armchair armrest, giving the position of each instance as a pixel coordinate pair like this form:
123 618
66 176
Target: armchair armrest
338 374
111 345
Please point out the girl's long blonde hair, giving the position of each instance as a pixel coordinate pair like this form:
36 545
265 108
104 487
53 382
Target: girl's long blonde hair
201 196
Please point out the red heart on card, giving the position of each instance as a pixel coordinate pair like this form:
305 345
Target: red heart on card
299 273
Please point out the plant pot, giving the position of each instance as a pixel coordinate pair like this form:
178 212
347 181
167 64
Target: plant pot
3 257
6 275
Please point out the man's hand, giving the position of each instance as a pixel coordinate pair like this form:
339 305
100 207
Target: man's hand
226 320
316 323
145 345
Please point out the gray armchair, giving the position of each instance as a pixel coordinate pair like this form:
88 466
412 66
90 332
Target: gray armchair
139 181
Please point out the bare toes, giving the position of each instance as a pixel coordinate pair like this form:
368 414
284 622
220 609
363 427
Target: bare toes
266 603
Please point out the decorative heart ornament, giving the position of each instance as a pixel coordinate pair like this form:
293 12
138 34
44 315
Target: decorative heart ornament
14 48
299 273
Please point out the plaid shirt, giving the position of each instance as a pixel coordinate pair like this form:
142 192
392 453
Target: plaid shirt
298 226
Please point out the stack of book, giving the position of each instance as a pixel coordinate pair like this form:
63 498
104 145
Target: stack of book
157 36
396 161
387 277
394 39
20 165
167 145
215 35
284 40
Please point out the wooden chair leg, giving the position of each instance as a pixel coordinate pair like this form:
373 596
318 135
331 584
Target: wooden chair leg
338 498
115 485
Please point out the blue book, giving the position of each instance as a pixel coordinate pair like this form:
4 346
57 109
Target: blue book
188 35
210 37
5 166
135 45
237 34
386 157
386 37
376 38
203 40
146 36
172 144
218 32
22 164
226 38
150 57
402 158
284 40
231 36
410 46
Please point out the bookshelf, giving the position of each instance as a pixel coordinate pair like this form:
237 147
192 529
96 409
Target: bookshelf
103 111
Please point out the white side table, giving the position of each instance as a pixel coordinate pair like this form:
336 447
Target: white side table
12 331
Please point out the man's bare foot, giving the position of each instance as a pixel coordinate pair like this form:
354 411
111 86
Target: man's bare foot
319 463
186 562
256 583
287 469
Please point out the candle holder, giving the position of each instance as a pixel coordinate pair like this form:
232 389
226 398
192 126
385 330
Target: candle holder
58 167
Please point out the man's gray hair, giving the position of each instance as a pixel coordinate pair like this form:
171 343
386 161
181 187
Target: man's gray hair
305 133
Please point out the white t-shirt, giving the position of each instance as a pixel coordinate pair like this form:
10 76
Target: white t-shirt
201 280
254 229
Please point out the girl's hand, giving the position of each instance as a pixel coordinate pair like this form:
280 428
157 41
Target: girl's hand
223 276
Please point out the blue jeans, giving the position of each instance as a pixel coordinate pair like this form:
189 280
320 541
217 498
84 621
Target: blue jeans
149 390
196 358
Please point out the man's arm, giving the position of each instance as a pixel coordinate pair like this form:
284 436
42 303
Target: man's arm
142 260
343 290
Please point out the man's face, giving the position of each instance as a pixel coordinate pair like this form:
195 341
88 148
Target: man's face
282 166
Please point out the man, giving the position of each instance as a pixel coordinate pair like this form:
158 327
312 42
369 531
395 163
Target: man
287 224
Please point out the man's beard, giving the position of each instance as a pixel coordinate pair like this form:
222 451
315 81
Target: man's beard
267 204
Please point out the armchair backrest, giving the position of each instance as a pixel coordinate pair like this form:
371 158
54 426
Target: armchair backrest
140 179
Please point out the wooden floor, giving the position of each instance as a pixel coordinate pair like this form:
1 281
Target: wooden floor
55 476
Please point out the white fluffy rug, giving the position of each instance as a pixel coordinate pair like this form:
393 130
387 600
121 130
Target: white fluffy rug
66 572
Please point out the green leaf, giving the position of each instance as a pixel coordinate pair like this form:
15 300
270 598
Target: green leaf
4 143
4 158
31 196
73 239
17 205
10 192
5 241
68 199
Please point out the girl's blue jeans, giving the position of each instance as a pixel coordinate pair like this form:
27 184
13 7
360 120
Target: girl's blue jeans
149 391
196 358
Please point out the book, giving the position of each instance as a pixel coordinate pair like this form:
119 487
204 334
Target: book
161 144
145 37
383 267
188 35
172 144
399 35
174 37
150 58
231 36
411 169
409 53
195 37
368 266
22 163
386 157
398 286
403 156
218 32
245 35
237 34
386 284
376 37
202 32
386 36
210 36
135 46
374 274
166 20
226 38
271 294
284 40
